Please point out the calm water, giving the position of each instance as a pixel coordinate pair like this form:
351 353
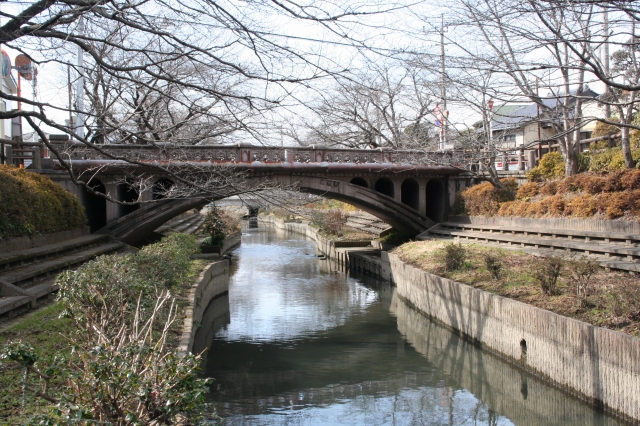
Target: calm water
297 344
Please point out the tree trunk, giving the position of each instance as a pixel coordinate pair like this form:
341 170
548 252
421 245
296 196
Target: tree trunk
626 148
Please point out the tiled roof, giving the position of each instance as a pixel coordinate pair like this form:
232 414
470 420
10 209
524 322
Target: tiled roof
507 117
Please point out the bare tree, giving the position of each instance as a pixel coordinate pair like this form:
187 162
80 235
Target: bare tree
382 106
158 71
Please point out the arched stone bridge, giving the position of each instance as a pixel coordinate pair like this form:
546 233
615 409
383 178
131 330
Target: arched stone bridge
410 190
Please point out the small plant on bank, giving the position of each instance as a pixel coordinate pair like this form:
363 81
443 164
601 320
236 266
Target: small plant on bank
493 265
330 222
579 272
454 256
218 225
546 272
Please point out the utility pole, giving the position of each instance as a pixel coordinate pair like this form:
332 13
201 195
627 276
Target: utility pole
443 87
80 84
605 54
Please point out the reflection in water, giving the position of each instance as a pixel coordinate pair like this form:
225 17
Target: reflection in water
308 347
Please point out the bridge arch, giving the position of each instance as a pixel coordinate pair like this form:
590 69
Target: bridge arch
385 186
95 206
128 194
160 188
359 181
410 193
435 196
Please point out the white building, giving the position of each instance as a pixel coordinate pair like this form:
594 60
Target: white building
8 86
520 126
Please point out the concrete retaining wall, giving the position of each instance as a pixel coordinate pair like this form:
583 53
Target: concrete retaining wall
597 364
24 243
231 241
212 282
551 223
525 400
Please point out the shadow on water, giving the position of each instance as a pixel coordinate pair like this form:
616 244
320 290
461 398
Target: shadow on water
296 342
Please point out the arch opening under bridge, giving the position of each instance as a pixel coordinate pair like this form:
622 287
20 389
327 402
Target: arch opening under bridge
136 225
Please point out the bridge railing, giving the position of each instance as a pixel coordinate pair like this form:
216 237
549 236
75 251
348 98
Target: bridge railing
246 153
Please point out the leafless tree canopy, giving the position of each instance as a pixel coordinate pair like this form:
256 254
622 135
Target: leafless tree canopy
329 72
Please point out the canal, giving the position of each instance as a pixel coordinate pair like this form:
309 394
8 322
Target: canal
297 343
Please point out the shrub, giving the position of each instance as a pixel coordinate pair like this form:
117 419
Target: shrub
546 272
33 204
551 167
215 226
580 271
582 206
630 179
611 160
604 129
122 369
485 199
330 222
527 191
494 266
550 188
453 256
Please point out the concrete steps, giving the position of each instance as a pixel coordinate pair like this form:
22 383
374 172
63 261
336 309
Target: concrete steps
612 250
370 224
28 275
189 224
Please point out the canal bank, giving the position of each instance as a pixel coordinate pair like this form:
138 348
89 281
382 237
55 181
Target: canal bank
593 363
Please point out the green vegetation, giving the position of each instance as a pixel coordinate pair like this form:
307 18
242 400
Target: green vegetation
551 167
395 238
569 286
218 225
32 204
119 314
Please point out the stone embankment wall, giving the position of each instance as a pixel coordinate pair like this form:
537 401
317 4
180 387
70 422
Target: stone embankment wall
328 247
620 226
231 241
212 282
23 243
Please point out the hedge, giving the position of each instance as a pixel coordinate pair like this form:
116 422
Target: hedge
32 204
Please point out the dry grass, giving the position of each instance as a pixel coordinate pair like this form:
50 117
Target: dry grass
586 195
613 300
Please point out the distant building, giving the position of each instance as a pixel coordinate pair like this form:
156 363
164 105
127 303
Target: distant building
516 125
9 86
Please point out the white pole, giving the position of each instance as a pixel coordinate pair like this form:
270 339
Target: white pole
80 85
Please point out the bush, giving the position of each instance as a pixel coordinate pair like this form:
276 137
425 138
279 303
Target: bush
122 369
32 204
453 256
485 199
218 225
551 167
580 271
527 191
330 222
493 265
546 272
604 129
611 160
